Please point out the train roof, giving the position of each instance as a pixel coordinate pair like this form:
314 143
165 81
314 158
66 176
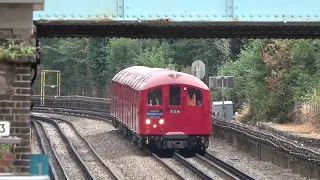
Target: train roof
142 77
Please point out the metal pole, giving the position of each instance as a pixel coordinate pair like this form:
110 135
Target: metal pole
223 108
42 89
207 68
59 84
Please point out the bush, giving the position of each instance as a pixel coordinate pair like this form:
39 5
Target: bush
12 50
272 75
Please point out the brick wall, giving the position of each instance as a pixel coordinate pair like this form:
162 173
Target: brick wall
6 162
15 85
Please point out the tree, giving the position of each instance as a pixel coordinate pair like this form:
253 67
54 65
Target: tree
272 75
63 54
98 63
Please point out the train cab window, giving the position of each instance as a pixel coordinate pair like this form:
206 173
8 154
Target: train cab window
155 97
194 97
175 95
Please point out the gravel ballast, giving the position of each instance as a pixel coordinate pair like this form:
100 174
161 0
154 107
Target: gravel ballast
129 162
208 170
95 166
124 158
70 164
246 163
35 145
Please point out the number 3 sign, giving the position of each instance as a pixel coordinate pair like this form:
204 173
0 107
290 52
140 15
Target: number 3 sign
4 128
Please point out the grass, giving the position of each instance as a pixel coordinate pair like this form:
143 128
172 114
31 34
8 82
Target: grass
307 124
305 129
12 50
308 121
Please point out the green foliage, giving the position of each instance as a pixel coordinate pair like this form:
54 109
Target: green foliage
122 53
97 63
156 56
5 148
312 96
88 65
214 52
272 75
13 50
67 56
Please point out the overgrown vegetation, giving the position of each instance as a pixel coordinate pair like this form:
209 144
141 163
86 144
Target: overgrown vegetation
87 65
11 50
271 76
5 148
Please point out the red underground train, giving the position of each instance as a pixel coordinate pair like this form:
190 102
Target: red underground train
161 107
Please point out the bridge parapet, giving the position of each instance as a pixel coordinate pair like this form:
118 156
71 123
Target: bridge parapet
17 16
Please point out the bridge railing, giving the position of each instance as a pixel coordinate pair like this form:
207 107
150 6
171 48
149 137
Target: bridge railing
79 102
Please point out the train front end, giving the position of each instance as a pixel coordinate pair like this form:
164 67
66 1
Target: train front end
176 117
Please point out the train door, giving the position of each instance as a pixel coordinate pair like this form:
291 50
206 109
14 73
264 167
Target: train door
117 100
174 116
127 105
138 105
154 108
122 102
193 105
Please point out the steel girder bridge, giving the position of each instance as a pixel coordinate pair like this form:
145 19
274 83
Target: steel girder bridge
179 18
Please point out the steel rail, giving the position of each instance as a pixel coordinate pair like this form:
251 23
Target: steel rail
82 164
167 166
52 171
228 170
53 153
75 112
98 157
189 165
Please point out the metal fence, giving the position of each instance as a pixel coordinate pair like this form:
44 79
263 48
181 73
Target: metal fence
304 112
79 102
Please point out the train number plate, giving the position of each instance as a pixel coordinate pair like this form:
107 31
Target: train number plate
174 111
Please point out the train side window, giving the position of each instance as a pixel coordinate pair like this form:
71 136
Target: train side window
194 97
155 97
175 95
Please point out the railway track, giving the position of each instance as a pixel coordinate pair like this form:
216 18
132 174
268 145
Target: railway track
75 112
213 163
102 116
192 167
57 171
86 172
169 167
86 149
55 168
224 169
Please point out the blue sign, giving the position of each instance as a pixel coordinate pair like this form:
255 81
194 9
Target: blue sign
39 164
154 113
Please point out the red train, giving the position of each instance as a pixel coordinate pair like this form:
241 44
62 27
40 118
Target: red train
161 107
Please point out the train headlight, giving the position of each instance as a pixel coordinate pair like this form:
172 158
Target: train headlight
148 121
161 121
